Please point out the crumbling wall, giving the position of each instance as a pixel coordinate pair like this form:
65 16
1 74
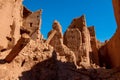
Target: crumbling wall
11 20
32 23
73 41
94 46
77 38
55 39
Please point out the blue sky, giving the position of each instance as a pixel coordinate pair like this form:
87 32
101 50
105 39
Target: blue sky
98 13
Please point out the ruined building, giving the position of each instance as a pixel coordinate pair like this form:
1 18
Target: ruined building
79 39
74 55
20 20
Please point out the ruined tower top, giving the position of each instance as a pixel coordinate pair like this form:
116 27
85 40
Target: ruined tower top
79 23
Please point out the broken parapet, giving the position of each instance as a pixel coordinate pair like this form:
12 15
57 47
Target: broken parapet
22 42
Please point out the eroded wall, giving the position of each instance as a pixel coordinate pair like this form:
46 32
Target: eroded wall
112 47
32 23
11 20
77 38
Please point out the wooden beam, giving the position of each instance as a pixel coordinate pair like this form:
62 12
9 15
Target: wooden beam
22 42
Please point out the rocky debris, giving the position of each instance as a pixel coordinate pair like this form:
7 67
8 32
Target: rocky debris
53 69
11 20
36 63
94 46
29 56
77 38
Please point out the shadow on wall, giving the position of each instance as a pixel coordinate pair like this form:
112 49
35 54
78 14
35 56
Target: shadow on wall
45 70
52 69
48 70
